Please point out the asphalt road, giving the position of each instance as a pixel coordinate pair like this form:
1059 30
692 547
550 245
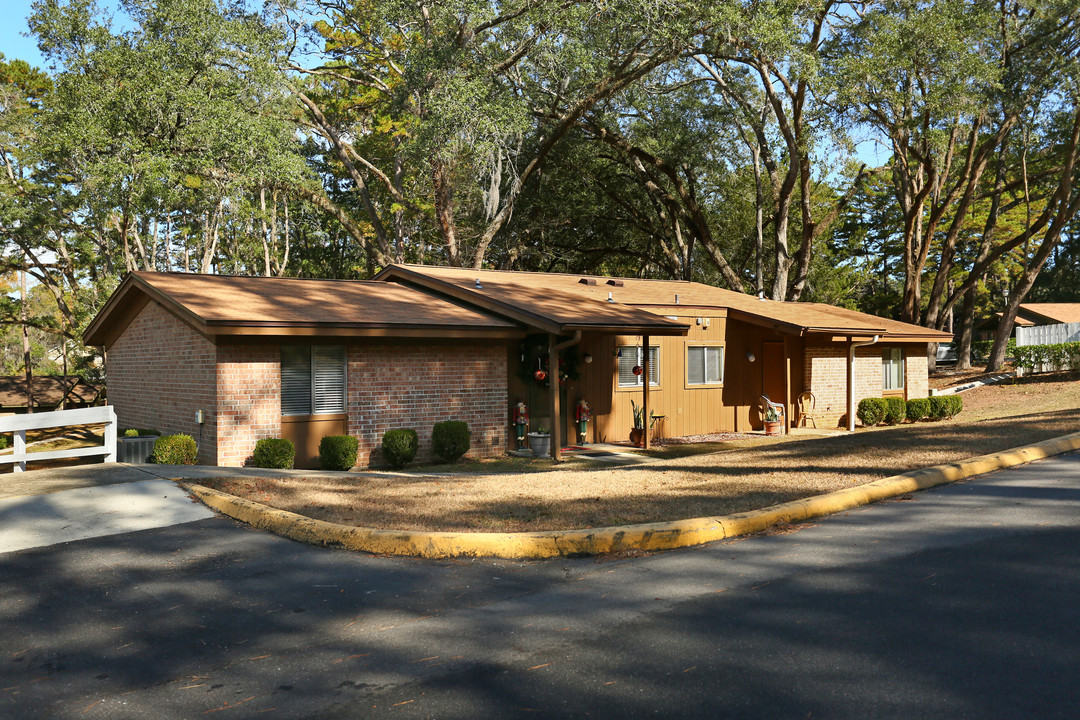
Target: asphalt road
959 602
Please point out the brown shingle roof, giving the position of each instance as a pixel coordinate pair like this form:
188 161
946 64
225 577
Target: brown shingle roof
555 303
565 299
224 305
1054 312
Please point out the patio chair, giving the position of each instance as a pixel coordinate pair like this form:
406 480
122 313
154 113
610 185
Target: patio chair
807 403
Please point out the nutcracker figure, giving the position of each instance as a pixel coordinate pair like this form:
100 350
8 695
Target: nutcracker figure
521 423
582 414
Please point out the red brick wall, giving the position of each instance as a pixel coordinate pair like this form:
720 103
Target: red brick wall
402 386
248 399
160 372
825 375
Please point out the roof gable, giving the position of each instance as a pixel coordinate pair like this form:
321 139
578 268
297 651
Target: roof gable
224 305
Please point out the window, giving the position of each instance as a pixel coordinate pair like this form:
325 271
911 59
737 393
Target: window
892 369
629 357
704 365
312 379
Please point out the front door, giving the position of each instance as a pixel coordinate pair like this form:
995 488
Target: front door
774 372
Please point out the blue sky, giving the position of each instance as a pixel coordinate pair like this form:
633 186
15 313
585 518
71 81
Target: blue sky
12 25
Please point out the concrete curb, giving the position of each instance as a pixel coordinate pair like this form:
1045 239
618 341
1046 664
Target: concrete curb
648 536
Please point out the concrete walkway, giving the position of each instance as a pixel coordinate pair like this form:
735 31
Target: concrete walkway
86 512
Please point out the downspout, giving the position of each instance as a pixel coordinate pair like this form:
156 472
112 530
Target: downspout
556 420
851 381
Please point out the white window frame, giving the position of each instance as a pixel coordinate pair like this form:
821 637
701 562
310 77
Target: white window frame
654 366
317 396
891 357
705 347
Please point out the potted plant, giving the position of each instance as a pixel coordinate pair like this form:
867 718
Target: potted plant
774 420
540 442
637 433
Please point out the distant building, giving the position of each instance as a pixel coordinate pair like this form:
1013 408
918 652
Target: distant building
1030 314
49 392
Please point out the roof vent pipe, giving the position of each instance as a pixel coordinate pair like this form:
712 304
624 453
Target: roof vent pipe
478 283
609 298
761 295
676 298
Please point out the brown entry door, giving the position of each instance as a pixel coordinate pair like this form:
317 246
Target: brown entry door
774 372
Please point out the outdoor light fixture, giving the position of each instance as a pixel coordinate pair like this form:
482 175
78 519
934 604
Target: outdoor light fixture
588 358
750 356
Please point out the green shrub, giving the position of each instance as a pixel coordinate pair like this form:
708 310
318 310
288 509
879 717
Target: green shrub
338 452
895 410
277 453
939 407
871 411
450 439
1059 356
139 432
956 405
5 440
175 450
918 409
399 446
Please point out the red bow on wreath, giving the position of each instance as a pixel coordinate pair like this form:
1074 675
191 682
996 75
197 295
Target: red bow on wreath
637 370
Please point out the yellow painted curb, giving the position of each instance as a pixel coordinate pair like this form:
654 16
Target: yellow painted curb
647 536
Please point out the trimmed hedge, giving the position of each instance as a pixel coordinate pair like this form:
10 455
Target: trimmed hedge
871 411
175 450
451 439
338 452
939 407
1059 356
399 446
139 432
918 409
276 453
895 410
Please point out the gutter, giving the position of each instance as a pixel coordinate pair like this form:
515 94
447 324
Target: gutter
851 380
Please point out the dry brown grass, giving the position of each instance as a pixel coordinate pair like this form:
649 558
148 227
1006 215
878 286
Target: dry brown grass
996 417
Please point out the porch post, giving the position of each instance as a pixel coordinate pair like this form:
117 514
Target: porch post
553 382
645 386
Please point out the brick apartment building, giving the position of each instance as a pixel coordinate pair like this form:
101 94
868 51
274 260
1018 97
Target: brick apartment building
230 360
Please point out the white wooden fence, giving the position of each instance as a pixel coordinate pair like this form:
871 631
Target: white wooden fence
17 425
1048 334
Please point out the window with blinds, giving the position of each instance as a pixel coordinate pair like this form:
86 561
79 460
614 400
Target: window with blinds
704 365
312 379
629 357
892 369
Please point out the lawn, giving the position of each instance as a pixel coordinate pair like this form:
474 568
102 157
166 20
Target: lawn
741 476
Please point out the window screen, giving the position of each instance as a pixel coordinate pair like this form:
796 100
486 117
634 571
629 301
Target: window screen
704 365
629 356
312 379
295 380
892 369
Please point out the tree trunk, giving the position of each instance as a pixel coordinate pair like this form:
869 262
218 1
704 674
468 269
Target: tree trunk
444 210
